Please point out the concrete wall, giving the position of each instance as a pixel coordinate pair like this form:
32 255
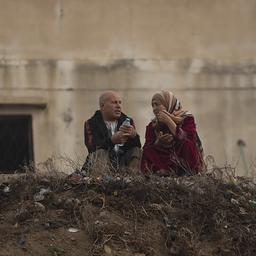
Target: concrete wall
65 53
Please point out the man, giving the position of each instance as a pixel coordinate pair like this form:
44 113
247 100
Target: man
108 140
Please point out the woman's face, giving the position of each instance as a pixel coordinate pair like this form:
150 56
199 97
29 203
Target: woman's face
157 106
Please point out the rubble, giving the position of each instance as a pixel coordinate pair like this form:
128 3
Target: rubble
128 215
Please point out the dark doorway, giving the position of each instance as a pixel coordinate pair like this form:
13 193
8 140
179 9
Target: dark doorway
16 145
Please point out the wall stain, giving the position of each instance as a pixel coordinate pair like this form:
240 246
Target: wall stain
53 73
238 69
67 117
118 64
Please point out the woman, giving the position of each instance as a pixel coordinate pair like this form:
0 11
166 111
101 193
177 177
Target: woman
171 145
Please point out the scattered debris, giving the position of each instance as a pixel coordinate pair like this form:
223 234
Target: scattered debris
73 230
116 214
107 250
41 194
7 189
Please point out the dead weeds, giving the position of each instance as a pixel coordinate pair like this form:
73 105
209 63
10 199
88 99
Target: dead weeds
130 215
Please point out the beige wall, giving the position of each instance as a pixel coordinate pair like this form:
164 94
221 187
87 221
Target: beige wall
65 53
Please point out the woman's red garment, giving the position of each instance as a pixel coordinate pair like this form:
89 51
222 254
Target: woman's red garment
183 155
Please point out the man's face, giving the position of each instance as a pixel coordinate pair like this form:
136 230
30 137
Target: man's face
111 107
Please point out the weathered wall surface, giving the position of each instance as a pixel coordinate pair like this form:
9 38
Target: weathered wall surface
65 53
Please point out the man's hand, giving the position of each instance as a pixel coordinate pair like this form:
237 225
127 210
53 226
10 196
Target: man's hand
129 130
119 137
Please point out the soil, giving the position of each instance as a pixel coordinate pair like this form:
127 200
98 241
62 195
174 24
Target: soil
118 215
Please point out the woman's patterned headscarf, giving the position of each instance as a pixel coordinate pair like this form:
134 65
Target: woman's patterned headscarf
168 100
171 104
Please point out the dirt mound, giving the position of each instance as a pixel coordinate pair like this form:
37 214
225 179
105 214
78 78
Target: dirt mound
121 215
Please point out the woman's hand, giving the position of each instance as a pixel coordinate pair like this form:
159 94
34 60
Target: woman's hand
177 112
164 117
167 118
164 139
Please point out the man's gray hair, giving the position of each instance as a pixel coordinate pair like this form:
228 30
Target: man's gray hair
104 96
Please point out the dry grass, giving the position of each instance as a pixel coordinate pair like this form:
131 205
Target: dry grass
208 214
